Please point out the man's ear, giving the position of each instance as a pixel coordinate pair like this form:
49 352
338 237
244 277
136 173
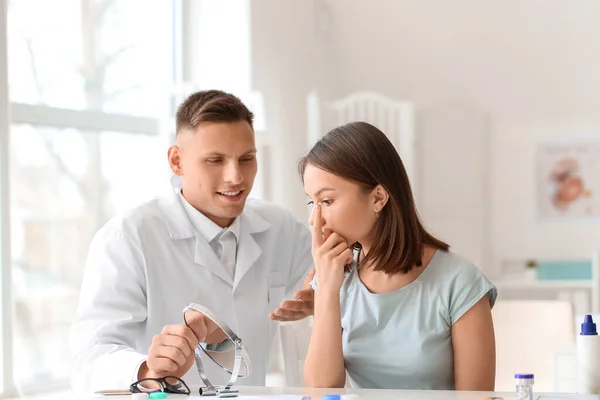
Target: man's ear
174 156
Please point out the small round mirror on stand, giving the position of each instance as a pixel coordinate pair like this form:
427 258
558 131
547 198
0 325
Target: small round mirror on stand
230 355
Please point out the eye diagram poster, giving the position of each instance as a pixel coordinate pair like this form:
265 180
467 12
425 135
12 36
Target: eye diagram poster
568 179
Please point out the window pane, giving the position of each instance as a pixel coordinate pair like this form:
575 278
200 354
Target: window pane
64 185
113 55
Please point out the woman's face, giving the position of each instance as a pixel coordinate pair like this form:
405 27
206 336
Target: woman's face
345 206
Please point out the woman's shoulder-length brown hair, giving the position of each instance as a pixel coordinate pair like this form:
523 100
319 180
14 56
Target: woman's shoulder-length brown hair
361 153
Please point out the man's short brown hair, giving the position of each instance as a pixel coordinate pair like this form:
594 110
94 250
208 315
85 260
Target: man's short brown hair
211 106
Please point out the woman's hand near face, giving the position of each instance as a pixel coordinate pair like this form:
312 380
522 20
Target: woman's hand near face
324 364
330 253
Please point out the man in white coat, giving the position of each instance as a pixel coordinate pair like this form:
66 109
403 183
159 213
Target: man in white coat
203 243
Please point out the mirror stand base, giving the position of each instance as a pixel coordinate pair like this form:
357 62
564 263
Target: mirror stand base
225 392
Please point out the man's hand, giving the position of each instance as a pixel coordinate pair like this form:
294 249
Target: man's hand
171 353
301 307
204 328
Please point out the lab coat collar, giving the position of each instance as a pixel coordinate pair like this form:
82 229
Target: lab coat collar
248 249
180 227
178 223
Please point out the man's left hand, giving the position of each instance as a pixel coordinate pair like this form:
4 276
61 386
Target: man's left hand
300 307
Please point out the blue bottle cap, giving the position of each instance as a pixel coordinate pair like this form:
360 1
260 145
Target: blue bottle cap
589 326
523 376
331 397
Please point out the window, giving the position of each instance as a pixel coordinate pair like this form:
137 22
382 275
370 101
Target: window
64 185
90 85
89 54
92 89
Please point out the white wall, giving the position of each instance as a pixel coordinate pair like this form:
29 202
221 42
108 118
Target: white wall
218 44
530 67
454 194
291 54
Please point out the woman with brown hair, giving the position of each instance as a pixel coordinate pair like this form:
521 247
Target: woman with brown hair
394 308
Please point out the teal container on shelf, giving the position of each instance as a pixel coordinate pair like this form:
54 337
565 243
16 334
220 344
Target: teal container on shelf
564 270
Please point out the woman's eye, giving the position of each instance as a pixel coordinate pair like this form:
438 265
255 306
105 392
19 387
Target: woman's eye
326 202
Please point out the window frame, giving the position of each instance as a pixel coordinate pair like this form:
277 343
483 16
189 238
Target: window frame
47 116
91 121
7 387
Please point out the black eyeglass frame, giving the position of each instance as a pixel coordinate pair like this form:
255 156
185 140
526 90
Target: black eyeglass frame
164 385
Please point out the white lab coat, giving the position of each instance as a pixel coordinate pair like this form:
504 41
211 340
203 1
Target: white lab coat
144 267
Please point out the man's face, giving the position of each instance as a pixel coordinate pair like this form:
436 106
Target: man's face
217 165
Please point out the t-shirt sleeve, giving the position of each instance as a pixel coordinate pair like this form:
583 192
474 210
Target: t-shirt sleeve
466 287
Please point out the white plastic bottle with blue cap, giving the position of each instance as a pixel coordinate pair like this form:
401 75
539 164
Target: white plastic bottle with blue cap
588 354
524 384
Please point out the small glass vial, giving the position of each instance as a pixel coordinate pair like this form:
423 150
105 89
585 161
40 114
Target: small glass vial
524 384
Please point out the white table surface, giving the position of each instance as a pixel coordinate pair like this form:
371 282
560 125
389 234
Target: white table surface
375 394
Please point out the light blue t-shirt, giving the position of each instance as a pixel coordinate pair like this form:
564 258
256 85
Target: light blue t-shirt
402 339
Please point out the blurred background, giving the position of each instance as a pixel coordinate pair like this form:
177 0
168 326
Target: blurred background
494 107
